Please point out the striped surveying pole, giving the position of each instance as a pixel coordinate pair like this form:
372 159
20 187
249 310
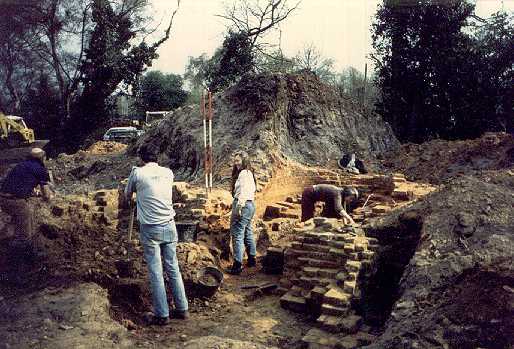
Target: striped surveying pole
209 148
205 159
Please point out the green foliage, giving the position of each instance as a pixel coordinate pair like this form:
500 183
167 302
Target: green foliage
436 79
40 109
158 91
230 62
110 60
275 62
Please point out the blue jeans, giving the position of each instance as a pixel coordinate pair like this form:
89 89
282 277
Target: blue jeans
157 239
242 231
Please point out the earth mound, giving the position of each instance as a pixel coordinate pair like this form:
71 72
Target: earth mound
273 117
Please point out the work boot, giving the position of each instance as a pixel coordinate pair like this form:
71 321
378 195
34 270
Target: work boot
236 269
180 314
151 320
251 262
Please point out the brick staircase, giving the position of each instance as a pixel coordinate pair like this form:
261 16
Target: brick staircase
323 269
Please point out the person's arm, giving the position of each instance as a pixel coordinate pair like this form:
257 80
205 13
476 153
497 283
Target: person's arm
346 217
43 177
338 206
131 186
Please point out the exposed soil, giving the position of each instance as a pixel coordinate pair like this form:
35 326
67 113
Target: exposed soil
444 276
439 160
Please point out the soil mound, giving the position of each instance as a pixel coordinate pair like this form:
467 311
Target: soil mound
439 160
456 288
273 117
106 147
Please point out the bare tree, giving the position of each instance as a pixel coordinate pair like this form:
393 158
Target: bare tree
310 58
256 17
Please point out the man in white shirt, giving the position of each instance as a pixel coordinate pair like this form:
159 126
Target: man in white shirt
158 233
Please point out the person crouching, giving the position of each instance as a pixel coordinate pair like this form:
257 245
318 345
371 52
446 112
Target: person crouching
336 201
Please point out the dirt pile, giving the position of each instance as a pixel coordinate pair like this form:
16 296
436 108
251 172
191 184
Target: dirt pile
106 147
448 261
274 117
75 317
87 171
439 160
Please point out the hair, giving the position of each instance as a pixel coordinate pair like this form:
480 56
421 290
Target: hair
37 154
246 165
149 152
349 191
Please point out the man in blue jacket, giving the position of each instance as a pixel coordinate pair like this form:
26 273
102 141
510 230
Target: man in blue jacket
15 199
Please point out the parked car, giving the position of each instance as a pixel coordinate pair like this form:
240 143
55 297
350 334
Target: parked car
122 134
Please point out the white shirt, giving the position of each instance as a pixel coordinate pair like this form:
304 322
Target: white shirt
244 188
154 187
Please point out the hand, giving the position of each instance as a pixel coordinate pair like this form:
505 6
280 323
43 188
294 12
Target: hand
239 210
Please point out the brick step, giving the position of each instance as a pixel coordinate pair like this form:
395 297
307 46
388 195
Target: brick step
329 323
353 266
312 262
313 240
337 243
289 205
316 255
349 286
336 296
280 291
296 291
293 303
328 309
351 324
311 282
316 338
310 247
325 236
320 272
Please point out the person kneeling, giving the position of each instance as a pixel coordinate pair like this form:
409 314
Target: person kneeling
336 201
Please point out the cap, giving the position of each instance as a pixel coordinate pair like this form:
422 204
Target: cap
37 153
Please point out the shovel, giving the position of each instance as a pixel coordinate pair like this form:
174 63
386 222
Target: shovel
126 267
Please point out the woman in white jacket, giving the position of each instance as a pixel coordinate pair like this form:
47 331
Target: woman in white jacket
243 210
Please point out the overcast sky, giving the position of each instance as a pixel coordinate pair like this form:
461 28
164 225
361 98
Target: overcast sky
339 29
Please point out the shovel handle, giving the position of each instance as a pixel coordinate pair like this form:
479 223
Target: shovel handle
131 221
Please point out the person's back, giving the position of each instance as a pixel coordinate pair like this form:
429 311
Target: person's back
24 177
153 184
158 234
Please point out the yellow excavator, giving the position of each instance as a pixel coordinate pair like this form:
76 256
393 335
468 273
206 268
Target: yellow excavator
16 139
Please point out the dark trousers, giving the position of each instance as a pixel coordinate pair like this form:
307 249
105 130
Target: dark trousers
308 206
308 202
22 216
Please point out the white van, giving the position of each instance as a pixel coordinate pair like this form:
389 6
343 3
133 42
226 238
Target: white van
122 134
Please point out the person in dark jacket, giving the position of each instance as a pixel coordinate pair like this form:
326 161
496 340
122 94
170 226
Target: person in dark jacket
336 201
15 194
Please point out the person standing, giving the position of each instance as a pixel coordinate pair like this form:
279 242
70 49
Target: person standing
15 199
243 210
158 233
336 201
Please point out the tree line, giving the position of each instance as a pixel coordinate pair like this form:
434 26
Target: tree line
61 61
441 71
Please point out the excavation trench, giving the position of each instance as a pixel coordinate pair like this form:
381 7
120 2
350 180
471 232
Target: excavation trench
381 288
